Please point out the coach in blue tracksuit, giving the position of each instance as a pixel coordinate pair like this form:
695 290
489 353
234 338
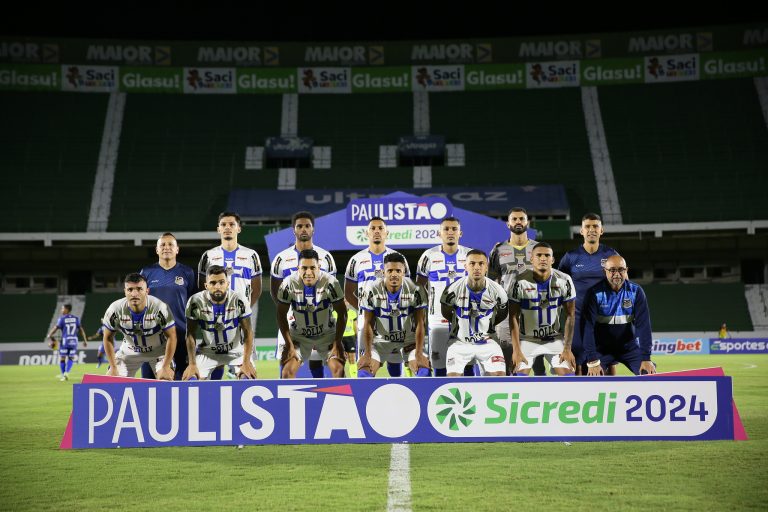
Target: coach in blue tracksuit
617 324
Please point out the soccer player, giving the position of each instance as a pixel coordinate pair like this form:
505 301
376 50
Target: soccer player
148 327
70 327
101 356
393 330
311 294
438 268
173 283
223 318
368 265
474 305
538 300
508 258
617 323
287 262
585 265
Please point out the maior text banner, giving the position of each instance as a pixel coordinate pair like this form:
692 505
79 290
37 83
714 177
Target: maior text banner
148 413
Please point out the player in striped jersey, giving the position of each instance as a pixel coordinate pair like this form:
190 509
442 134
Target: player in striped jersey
70 327
586 266
474 305
287 262
312 294
393 330
438 268
368 265
223 318
538 298
617 324
148 327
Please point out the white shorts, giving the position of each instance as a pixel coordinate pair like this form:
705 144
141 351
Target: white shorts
390 352
128 362
314 356
208 361
487 355
550 350
438 344
307 347
502 332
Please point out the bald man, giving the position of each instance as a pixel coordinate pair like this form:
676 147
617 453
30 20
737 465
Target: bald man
617 324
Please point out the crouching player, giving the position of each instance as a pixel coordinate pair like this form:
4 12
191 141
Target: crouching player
224 319
393 330
312 295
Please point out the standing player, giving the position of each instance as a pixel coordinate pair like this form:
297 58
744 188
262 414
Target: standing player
537 299
438 268
223 317
394 321
507 260
287 262
148 327
101 356
474 305
368 265
70 327
311 294
617 324
585 265
173 283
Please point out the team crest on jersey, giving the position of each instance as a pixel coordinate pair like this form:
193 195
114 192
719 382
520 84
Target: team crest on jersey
603 262
626 303
179 280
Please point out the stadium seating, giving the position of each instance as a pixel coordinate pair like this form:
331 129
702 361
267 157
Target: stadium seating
685 152
31 314
50 145
96 305
697 307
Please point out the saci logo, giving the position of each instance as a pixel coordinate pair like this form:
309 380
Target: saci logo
456 409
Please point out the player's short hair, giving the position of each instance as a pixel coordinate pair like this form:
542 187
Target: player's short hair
215 270
68 307
542 245
517 209
591 216
477 252
167 233
377 218
309 254
302 215
134 277
394 257
451 219
230 214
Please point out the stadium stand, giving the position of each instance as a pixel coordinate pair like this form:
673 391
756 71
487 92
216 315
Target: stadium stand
517 138
31 314
50 145
685 152
180 156
96 305
697 307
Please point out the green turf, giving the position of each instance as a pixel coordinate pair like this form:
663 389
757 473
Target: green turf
35 475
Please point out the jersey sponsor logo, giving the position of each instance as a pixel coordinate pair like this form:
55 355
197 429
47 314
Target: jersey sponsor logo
626 303
603 261
179 280
497 359
244 258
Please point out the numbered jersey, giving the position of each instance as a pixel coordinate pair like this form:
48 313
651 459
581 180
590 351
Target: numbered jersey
394 312
541 313
312 305
474 312
507 261
242 264
441 270
367 266
69 325
287 262
143 331
221 324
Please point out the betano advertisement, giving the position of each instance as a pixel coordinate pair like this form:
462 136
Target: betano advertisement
659 68
111 414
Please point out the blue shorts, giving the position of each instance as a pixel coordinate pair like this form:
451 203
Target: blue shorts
629 355
68 351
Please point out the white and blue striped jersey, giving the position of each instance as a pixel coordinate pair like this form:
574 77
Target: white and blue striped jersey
242 264
70 326
542 317
441 270
312 305
287 262
474 312
394 312
367 266
143 331
220 324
